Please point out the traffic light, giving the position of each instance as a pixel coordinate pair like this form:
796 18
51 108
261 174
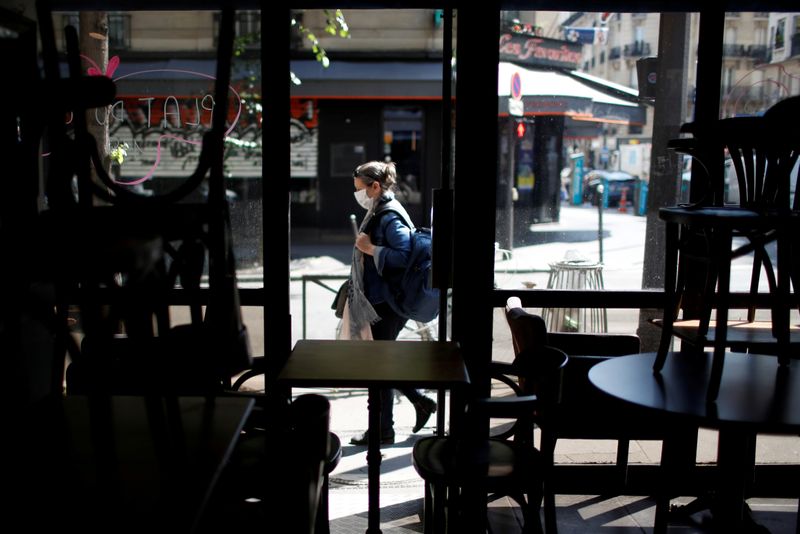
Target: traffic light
521 130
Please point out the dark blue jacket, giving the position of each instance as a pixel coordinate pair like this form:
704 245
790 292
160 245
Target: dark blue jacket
392 239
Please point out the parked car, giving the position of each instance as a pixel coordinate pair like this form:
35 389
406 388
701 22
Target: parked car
614 182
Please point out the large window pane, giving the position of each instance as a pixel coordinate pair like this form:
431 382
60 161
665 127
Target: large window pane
571 119
164 66
375 96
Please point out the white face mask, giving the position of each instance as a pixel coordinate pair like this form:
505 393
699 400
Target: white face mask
363 200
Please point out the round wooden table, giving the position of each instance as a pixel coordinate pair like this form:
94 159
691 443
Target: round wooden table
755 395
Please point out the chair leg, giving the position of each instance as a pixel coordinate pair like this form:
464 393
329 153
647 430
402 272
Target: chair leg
672 275
782 307
723 275
548 445
322 525
530 513
427 511
468 511
797 524
436 503
623 450
755 277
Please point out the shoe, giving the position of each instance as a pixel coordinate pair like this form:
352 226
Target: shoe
387 438
424 407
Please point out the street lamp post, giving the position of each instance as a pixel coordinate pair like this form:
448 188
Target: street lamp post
600 190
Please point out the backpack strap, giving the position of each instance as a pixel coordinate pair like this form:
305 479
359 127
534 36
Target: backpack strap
393 206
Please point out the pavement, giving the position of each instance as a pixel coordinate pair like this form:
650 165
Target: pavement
574 236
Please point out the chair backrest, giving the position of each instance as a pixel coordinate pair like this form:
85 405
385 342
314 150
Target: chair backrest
527 330
759 152
122 255
538 374
780 120
584 351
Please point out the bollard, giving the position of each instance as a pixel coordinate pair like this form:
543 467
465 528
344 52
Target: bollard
623 202
600 190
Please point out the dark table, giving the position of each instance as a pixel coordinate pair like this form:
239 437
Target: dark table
755 395
118 464
375 365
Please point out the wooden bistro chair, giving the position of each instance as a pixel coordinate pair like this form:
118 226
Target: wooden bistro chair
256 469
277 483
703 238
584 412
459 471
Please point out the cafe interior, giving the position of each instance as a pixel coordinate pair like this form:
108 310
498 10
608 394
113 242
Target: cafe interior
125 345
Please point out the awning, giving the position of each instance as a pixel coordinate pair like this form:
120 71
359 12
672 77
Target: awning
575 95
160 77
368 79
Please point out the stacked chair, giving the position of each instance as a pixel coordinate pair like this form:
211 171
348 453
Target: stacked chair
123 261
706 236
124 257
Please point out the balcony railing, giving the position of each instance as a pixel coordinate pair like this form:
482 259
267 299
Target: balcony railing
637 49
734 50
759 53
615 52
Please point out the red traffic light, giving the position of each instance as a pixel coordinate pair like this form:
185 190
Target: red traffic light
521 130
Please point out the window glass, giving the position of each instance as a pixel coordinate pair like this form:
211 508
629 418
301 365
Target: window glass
566 125
759 62
164 66
555 228
367 85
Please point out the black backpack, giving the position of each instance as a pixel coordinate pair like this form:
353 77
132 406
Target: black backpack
414 298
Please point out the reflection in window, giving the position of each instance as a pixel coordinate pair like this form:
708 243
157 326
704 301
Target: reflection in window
403 143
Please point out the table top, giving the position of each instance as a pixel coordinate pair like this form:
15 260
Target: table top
385 364
754 391
123 464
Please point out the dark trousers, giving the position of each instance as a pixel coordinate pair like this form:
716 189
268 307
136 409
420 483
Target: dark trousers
388 328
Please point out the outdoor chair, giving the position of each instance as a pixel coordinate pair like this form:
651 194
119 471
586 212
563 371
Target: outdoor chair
460 470
704 238
583 412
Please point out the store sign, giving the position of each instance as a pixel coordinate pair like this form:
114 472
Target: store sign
539 51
